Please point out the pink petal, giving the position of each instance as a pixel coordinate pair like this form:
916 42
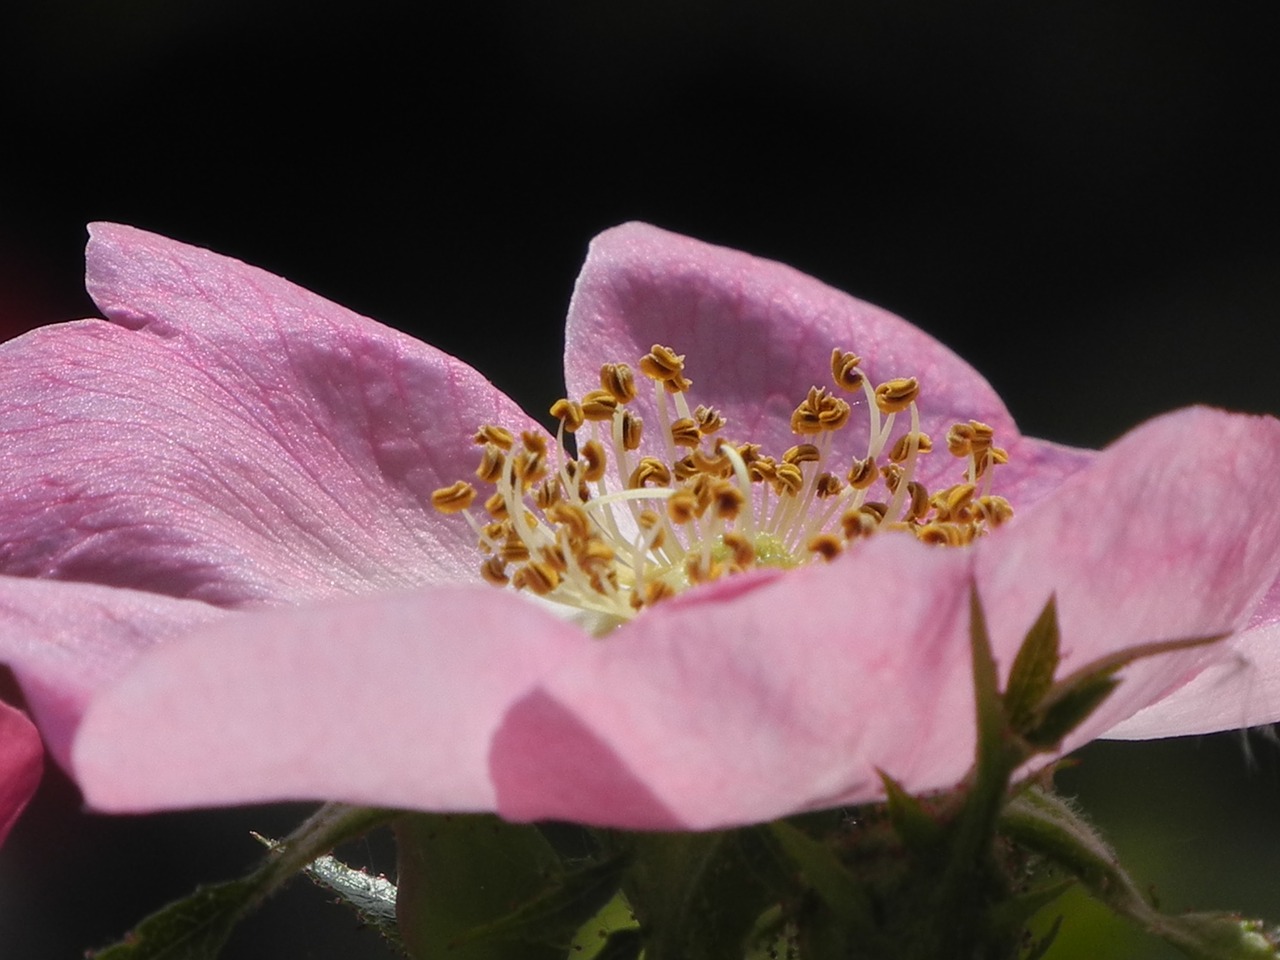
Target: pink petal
65 641
1240 690
231 437
756 335
755 698
20 765
387 701
1160 538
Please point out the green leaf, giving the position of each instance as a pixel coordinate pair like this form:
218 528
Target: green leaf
626 944
196 928
460 874
1033 668
556 915
610 932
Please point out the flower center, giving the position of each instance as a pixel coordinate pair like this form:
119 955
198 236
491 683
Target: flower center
611 531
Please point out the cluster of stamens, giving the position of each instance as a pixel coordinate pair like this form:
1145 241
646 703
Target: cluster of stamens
612 530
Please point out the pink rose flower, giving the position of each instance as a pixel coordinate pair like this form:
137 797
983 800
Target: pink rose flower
21 763
224 580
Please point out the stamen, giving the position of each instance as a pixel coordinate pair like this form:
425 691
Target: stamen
565 528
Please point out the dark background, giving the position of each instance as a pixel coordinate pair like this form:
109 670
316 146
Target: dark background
1077 196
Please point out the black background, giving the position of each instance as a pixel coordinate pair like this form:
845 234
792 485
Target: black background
1078 197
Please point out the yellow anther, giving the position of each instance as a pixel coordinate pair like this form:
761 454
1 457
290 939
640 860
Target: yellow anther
802 453
685 433
496 506
553 557
594 553
682 506
685 469
619 381
844 369
537 577
902 446
744 554
632 430
575 480
727 500
491 463
714 466
995 510
513 549
547 493
700 569
703 490
656 590
455 498
825 545
894 396
498 436
985 459
529 468
950 502
665 365
599 405
827 485
917 500
945 534
964 439
820 411
863 473
650 470
655 533
572 518
763 468
568 412
857 522
893 475
494 571
788 479
708 419
592 459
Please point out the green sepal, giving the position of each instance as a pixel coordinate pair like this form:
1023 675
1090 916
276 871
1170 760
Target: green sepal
915 826
555 916
1071 700
695 895
992 722
198 926
825 875
1069 708
461 873
1031 676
